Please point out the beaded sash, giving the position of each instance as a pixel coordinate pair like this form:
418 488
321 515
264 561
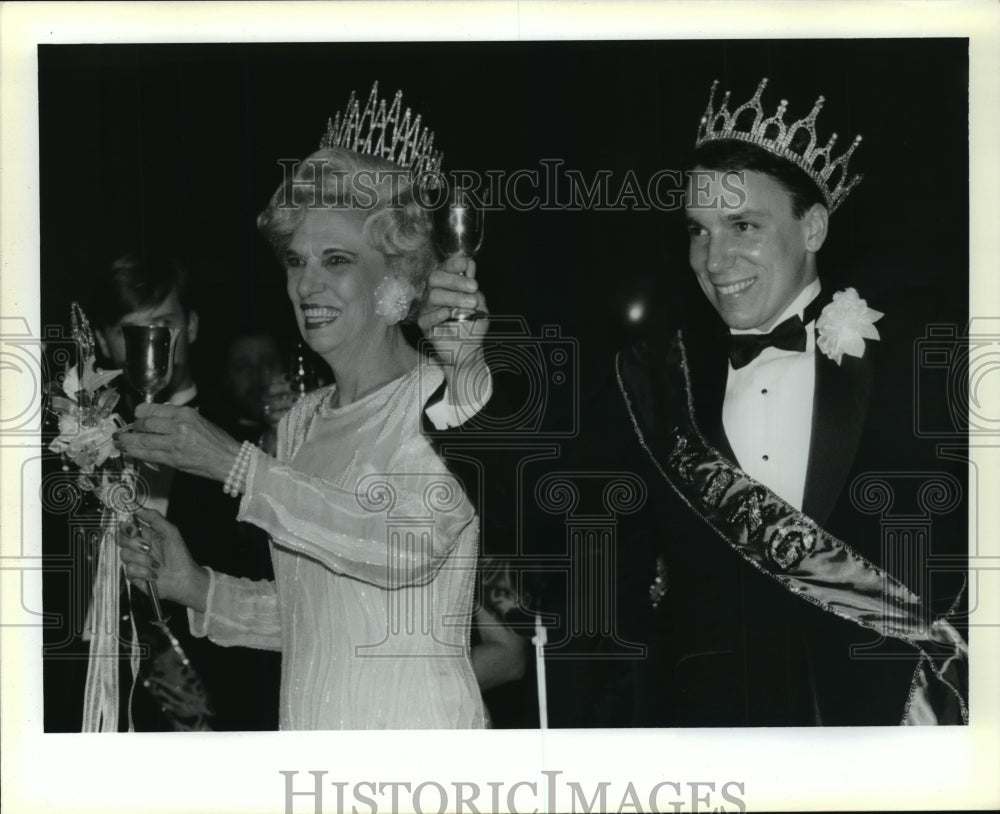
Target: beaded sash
786 545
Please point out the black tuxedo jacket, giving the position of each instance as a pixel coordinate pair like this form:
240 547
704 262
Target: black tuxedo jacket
729 646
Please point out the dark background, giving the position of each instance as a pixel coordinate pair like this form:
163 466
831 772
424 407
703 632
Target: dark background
176 147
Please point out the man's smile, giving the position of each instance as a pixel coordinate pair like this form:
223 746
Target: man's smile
734 289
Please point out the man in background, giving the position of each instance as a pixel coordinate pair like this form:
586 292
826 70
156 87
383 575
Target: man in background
241 683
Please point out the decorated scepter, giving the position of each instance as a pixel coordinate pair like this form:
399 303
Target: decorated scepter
83 403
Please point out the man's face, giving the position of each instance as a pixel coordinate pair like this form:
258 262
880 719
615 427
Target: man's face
751 254
169 313
251 363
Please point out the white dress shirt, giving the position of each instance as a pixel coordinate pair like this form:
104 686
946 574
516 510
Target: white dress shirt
768 408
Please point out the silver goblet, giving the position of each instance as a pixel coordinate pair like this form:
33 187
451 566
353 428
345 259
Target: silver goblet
149 357
458 229
149 366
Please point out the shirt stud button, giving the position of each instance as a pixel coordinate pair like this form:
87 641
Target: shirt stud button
764 457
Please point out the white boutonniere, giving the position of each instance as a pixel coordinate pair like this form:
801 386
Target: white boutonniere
845 324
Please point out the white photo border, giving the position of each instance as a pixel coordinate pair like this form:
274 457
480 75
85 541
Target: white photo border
877 768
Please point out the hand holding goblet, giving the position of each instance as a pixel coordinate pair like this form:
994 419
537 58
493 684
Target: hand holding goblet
454 314
181 438
458 230
458 344
149 366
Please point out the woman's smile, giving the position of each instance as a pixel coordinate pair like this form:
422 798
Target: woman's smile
317 316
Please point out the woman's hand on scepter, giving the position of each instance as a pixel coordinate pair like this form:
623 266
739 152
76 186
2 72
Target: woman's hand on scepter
153 550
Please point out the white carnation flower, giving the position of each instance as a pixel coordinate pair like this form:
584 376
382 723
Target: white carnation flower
845 324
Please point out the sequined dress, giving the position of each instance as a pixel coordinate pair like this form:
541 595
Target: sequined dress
374 546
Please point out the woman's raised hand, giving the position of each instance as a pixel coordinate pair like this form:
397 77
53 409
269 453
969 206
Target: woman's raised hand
458 344
181 438
153 551
452 287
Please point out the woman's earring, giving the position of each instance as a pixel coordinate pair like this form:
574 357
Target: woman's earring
392 299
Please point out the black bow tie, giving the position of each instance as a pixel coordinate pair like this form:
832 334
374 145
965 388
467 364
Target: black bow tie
787 335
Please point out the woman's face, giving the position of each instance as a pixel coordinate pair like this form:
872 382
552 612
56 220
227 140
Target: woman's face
332 273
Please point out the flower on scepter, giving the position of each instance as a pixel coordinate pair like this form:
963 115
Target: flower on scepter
83 403
84 408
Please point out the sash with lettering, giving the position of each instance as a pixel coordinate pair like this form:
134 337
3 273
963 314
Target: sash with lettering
786 545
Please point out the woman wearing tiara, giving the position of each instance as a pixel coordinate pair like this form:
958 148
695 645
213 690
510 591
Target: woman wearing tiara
374 543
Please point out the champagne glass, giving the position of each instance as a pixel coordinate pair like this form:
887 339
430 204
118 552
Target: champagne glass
149 366
458 229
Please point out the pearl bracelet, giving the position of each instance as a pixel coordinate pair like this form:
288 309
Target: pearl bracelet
236 479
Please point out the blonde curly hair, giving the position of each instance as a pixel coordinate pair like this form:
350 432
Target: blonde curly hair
396 224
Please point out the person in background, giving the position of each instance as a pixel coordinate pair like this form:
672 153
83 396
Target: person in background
501 652
252 360
155 289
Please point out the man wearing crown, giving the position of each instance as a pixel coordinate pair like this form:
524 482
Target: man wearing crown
763 579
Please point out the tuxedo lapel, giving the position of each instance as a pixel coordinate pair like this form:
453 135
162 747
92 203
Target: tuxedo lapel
840 405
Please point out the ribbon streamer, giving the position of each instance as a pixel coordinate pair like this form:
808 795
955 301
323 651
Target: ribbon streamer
101 693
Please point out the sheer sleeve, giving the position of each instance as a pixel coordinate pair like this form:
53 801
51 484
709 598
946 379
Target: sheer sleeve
239 612
393 529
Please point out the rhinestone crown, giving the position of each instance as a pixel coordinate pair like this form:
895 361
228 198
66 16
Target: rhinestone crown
386 133
773 134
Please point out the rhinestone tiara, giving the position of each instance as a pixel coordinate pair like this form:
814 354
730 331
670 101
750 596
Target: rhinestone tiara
384 133
774 135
